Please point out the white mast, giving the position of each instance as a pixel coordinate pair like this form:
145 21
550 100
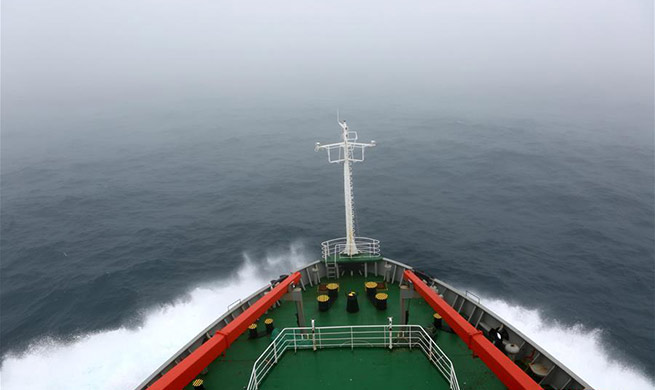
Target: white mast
347 151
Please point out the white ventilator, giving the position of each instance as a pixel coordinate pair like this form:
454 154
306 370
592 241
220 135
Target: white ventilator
347 152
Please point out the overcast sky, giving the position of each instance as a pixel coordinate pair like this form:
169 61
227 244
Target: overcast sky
79 50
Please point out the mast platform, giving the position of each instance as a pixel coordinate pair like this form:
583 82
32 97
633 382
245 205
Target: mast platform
359 258
335 251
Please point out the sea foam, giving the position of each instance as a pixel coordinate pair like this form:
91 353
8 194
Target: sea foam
578 347
122 358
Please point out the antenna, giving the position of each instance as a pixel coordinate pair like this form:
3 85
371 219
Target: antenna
347 151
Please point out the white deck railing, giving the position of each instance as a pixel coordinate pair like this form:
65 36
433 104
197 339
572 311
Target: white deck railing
381 336
365 246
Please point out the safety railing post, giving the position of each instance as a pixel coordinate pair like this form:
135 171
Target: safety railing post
410 337
390 333
252 384
295 346
275 351
352 343
313 336
431 350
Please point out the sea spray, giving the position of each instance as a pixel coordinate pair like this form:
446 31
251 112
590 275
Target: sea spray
577 347
122 358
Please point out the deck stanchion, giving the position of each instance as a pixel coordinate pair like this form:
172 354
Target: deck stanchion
275 351
431 354
390 333
309 277
313 336
410 338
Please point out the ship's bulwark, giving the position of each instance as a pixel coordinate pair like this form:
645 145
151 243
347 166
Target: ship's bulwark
493 371
185 371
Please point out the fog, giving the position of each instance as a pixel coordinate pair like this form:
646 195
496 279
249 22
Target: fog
181 122
543 52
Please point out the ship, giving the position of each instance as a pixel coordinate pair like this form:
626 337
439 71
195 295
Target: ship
355 319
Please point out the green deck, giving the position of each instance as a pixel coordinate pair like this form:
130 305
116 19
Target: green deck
361 368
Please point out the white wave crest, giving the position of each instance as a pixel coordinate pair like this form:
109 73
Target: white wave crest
580 349
122 358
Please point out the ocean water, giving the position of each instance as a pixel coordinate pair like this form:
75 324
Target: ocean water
126 229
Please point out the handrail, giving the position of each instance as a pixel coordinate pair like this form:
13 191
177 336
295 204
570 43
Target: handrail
336 246
508 372
470 294
181 374
407 336
231 305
